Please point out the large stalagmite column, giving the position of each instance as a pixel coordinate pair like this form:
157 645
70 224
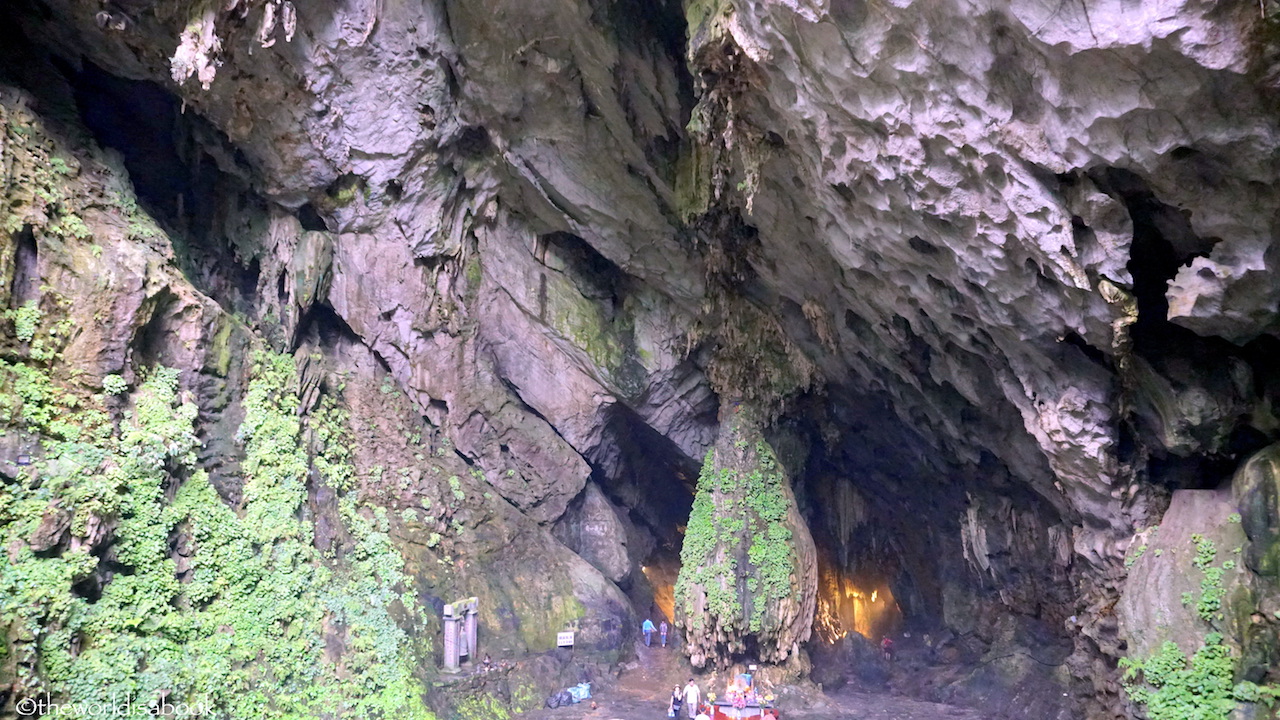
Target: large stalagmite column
748 574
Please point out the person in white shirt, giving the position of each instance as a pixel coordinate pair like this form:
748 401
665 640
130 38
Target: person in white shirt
702 716
692 696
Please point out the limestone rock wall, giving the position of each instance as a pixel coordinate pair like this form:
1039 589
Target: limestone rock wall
366 520
1020 210
962 164
1257 494
1018 260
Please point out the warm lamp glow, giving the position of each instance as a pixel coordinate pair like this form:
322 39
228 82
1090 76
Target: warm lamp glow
845 605
662 575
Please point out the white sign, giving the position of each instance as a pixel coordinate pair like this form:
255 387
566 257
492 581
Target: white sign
564 639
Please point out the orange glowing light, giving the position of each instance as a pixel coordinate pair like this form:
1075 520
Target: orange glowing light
661 574
846 605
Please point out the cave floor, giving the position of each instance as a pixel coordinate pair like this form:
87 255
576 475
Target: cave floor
644 687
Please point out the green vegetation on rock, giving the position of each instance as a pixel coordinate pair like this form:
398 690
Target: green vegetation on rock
702 562
737 551
1211 590
199 602
26 320
114 385
1180 689
1172 686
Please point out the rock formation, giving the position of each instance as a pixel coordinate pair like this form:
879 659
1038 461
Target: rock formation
748 578
997 283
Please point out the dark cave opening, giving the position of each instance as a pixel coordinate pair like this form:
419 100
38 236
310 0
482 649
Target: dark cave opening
955 560
1164 242
139 120
598 277
661 22
327 328
247 281
861 478
310 218
651 482
197 201
26 270
884 515
150 342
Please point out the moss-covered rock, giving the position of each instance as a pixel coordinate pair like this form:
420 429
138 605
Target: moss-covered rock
748 577
1256 488
1182 575
1192 614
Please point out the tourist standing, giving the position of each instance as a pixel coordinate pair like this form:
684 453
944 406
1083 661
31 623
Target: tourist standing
677 702
647 629
662 632
692 696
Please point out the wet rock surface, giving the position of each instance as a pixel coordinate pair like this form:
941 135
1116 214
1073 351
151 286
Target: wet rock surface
1256 491
1160 602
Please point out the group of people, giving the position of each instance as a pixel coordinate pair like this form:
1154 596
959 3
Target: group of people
689 697
648 629
740 691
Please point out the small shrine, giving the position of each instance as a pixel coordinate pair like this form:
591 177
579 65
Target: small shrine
460 632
